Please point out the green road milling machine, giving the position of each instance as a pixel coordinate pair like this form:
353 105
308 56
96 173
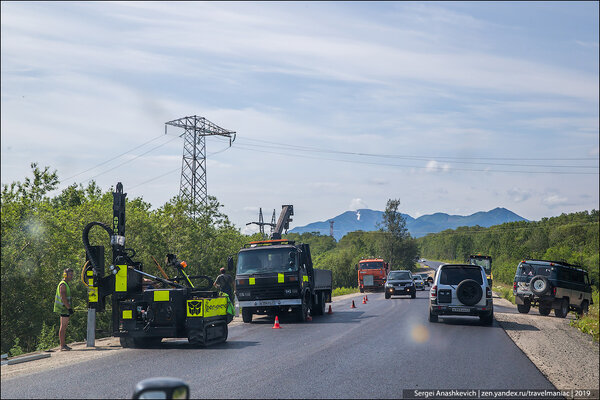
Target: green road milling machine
141 315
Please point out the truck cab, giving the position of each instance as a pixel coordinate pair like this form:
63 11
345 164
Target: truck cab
277 276
372 274
485 262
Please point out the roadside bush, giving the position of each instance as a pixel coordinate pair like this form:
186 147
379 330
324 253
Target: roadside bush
344 290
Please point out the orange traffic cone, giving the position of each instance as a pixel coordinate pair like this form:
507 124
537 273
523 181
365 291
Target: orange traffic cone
366 297
330 312
276 326
353 306
364 301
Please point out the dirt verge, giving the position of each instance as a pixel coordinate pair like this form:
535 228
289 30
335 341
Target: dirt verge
565 355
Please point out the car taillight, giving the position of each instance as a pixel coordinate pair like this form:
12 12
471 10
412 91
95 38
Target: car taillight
515 285
553 291
433 291
488 292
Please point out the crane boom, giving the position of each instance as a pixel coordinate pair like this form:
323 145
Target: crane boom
284 220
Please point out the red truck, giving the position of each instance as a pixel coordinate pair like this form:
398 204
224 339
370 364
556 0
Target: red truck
372 274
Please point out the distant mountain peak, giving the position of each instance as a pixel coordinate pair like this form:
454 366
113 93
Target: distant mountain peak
365 219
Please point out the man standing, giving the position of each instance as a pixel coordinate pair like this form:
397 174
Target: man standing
225 284
62 306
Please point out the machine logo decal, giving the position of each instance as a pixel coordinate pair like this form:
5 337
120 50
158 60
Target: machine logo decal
194 308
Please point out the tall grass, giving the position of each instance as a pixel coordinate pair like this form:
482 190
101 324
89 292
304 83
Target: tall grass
344 290
505 291
588 323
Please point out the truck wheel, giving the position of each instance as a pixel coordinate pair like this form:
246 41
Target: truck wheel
319 308
432 317
387 295
545 309
302 312
563 309
584 308
126 342
524 308
246 315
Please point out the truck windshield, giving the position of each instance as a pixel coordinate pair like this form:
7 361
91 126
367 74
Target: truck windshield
261 261
371 265
455 275
482 262
399 275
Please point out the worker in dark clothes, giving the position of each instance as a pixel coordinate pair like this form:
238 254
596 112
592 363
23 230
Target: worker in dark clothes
224 283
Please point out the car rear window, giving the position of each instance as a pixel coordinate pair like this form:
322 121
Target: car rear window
400 275
455 275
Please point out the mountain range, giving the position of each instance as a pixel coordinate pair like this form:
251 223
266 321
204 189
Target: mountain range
367 220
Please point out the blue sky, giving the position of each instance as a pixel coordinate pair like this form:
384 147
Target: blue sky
451 107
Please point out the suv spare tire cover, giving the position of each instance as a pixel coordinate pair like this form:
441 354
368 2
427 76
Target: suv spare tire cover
539 285
469 292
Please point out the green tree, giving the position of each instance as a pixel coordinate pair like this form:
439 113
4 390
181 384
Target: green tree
398 247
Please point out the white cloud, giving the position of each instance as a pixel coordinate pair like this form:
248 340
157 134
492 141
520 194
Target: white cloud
518 195
555 200
434 166
356 204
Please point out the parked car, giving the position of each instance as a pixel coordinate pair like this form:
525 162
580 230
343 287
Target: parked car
419 284
552 285
461 289
400 283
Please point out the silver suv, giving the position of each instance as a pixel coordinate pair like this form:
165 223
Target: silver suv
461 289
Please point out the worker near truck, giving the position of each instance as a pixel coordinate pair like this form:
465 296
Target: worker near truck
63 306
224 283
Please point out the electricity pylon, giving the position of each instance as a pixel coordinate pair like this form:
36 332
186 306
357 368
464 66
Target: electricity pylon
192 186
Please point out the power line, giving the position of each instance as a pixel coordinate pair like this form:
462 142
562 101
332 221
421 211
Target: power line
114 158
417 166
418 157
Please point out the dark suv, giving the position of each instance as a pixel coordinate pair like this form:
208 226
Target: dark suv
552 285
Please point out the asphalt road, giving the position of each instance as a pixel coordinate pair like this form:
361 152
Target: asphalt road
373 351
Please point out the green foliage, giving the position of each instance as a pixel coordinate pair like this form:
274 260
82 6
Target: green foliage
589 323
573 238
397 246
340 291
48 337
16 350
505 291
41 235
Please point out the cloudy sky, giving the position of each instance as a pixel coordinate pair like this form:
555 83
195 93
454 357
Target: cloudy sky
450 107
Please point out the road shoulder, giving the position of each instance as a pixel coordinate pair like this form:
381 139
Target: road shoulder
566 356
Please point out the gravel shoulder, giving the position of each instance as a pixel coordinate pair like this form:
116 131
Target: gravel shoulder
565 355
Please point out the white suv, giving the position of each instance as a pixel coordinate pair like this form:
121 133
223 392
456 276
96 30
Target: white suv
461 289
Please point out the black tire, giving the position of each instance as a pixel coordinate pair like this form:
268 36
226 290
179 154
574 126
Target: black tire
319 308
432 317
302 311
487 319
539 285
469 292
126 342
562 310
545 309
524 308
584 308
387 295
362 290
246 315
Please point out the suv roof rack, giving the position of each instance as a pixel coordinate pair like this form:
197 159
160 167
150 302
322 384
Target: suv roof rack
269 243
563 263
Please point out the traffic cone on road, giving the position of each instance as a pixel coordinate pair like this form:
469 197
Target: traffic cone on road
364 301
366 297
276 326
330 312
353 306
